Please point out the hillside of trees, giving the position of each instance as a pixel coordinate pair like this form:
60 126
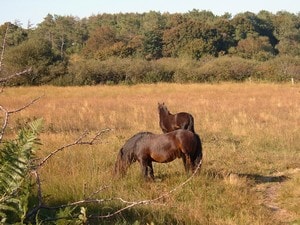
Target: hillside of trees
130 48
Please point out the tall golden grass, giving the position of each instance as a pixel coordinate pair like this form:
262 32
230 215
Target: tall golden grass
250 133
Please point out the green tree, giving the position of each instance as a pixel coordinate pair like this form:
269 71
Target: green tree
287 30
153 45
249 24
204 16
15 36
152 21
224 38
255 47
34 53
99 42
66 34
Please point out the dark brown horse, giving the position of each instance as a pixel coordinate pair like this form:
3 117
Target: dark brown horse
169 122
146 147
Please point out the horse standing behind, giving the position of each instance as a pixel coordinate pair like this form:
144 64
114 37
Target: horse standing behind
146 147
170 122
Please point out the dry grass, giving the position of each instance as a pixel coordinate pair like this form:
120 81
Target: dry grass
250 132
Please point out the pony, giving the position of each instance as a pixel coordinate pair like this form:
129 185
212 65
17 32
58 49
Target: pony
170 122
147 147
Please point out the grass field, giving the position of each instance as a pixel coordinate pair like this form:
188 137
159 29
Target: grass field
251 145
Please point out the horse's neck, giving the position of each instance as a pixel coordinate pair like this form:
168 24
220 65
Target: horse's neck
163 115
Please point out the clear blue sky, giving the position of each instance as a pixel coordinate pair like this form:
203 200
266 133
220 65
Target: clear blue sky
36 10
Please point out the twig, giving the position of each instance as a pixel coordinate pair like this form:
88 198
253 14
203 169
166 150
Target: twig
149 201
5 121
25 106
130 203
3 80
96 192
76 142
7 113
89 200
3 47
38 182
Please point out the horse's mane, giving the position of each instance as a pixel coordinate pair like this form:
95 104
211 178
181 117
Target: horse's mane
131 143
127 154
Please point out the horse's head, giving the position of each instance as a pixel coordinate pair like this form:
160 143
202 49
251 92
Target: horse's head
162 108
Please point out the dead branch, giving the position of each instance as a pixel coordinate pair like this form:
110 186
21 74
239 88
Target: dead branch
89 200
129 204
79 141
3 47
5 79
7 114
149 201
40 204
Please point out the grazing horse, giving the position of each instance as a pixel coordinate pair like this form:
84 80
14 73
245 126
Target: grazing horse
169 122
146 147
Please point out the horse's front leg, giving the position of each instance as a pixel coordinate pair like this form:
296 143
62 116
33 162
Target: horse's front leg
144 167
151 173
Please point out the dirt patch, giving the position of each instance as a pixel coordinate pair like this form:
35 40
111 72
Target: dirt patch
270 192
269 187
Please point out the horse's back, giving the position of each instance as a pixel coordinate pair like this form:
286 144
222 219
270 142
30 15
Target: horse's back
188 139
185 121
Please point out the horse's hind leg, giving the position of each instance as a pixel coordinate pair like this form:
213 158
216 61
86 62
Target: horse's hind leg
184 163
187 163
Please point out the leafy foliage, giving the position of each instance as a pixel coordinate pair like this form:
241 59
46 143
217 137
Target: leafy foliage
51 47
16 160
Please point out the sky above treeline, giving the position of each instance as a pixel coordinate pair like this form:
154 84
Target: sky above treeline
33 12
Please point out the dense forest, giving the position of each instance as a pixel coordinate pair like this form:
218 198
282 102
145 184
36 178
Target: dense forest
130 48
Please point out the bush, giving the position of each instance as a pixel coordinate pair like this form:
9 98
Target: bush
115 71
279 69
226 69
208 69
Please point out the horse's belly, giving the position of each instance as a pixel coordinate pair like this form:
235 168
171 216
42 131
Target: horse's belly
164 158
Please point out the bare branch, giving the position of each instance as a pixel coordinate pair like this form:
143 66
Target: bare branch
130 204
41 205
25 106
4 125
149 201
79 141
3 47
89 200
7 113
5 79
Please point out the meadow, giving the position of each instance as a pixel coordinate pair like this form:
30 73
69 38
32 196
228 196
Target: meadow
251 145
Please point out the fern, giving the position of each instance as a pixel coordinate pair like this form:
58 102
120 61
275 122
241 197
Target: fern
16 161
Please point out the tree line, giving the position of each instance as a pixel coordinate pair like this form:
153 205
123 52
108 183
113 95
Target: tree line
130 48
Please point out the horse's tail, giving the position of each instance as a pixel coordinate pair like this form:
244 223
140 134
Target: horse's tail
198 153
191 124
